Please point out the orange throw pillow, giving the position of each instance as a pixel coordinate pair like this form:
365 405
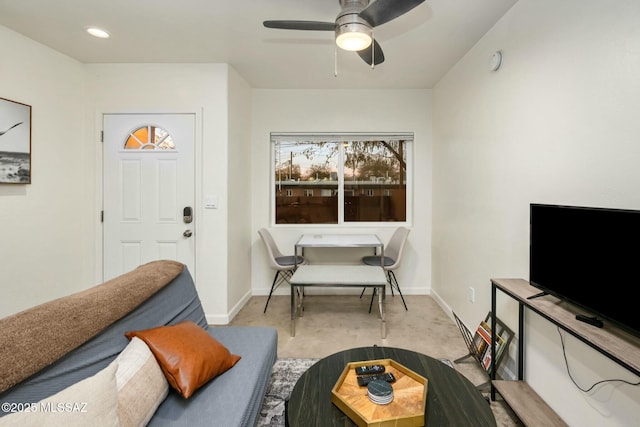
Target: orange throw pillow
188 356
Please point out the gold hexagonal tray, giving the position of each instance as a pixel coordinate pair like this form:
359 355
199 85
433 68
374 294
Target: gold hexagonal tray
408 405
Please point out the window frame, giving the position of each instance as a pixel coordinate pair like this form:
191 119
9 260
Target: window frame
407 137
149 145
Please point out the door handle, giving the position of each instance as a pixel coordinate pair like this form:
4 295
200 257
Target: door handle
187 233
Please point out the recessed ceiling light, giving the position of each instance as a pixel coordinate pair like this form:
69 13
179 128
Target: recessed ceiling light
97 32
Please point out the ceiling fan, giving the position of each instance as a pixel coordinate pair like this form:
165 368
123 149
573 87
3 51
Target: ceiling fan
354 25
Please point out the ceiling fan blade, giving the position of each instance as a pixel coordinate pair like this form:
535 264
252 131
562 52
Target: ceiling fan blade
301 25
382 11
375 50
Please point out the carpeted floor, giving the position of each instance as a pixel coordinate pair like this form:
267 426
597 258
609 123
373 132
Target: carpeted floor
284 375
336 323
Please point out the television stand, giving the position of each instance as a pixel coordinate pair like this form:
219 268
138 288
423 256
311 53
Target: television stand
614 343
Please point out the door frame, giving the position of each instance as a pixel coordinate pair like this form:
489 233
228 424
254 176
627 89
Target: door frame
99 190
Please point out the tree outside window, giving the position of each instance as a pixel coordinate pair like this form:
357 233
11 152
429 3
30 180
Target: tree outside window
340 180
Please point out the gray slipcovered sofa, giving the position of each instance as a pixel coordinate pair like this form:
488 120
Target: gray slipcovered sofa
48 348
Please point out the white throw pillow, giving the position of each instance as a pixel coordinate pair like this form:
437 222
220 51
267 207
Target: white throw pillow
90 402
141 384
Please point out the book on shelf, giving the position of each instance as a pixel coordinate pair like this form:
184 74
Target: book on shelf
486 360
485 331
479 342
482 343
482 340
500 346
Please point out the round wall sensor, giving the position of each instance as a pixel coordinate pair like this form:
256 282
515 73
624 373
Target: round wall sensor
496 61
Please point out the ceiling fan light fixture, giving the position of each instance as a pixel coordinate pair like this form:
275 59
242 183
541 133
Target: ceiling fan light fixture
353 36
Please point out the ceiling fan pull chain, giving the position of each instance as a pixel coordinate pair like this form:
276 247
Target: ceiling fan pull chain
373 51
335 62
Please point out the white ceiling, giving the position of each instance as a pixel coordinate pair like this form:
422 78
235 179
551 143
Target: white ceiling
420 46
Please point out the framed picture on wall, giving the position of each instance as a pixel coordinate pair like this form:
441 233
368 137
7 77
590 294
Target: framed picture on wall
15 142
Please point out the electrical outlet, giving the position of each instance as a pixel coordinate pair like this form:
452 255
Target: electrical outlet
472 294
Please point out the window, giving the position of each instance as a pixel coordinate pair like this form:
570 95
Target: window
338 179
149 138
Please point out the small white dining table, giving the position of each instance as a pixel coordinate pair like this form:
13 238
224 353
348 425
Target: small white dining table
312 240
341 275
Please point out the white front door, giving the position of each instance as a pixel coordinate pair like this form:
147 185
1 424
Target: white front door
149 186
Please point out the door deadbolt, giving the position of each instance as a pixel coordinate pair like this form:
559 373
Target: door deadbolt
187 233
187 215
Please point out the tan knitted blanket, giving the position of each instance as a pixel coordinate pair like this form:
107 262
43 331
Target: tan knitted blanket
37 337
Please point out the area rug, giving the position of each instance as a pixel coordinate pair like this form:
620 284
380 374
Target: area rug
284 375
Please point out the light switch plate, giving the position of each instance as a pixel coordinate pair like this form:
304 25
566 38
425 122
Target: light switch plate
211 202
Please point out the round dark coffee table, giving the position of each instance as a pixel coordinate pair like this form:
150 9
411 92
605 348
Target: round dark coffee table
452 400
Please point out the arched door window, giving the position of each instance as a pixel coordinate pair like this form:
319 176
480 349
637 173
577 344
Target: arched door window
149 137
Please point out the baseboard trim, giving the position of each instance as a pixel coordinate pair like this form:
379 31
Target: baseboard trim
284 291
225 319
443 305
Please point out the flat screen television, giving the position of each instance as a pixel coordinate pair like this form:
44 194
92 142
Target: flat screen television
590 257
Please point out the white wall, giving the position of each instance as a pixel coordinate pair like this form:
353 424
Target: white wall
557 124
239 194
202 89
46 226
342 111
